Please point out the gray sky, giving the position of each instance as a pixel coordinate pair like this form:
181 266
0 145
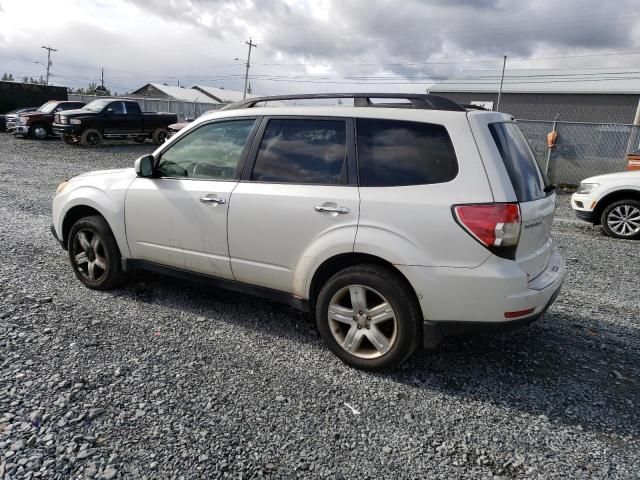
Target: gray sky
310 45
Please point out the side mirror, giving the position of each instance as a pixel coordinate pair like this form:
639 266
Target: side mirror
144 166
109 110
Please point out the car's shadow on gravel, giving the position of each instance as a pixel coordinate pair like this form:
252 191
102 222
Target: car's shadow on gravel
574 371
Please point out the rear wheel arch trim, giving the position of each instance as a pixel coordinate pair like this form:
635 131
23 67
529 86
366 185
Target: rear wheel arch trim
332 265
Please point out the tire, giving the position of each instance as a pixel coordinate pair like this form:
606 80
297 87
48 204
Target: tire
159 136
94 254
621 219
376 284
38 131
140 139
91 138
69 140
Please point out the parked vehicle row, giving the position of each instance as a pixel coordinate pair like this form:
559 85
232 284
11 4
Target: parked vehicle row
392 226
88 125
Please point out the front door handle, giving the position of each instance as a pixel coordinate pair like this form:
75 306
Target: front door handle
208 199
338 210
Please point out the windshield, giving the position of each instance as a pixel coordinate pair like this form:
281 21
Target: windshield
48 107
96 105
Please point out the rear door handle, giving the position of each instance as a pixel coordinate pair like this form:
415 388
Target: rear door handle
338 210
213 199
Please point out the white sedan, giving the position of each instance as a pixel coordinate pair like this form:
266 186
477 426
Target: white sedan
612 201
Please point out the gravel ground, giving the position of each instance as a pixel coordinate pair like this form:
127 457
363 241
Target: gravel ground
155 380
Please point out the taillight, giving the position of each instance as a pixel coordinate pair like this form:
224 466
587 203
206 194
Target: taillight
494 225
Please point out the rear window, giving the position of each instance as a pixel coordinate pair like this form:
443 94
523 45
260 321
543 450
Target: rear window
519 160
395 153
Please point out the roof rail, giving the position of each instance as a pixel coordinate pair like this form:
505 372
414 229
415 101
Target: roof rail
416 100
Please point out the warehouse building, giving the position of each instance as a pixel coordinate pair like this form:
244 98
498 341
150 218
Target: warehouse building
600 95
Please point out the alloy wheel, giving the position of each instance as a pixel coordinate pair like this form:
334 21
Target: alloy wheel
362 321
93 139
89 255
624 220
40 132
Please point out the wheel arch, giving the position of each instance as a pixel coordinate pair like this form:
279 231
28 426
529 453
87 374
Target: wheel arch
334 264
73 215
612 197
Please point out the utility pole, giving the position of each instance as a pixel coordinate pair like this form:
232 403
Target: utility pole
102 76
49 50
504 64
246 74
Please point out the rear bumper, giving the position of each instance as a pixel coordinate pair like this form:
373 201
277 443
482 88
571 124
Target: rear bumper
478 299
434 332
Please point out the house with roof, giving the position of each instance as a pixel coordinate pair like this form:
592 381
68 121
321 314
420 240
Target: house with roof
601 95
168 92
222 95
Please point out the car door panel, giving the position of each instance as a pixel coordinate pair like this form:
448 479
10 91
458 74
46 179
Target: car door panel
283 216
180 219
274 227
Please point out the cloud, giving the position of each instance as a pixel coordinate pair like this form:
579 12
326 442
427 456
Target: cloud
304 44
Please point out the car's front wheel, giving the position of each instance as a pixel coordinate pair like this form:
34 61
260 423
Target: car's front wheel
622 219
94 254
368 317
38 131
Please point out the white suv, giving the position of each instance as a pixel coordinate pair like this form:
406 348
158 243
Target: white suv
611 201
392 226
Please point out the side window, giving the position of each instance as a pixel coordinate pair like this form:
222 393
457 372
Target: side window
394 153
212 151
132 108
115 108
302 151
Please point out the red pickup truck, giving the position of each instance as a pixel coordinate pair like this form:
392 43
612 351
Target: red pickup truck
39 124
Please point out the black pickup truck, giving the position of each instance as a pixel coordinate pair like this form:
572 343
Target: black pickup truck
111 118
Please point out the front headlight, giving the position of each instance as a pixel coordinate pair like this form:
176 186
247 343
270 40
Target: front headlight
75 121
62 186
586 188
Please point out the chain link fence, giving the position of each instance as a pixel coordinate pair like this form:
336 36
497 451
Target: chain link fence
184 110
582 149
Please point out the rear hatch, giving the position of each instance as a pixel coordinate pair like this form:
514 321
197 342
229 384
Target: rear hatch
537 202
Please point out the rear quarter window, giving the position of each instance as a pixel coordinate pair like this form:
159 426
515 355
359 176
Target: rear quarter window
395 153
519 161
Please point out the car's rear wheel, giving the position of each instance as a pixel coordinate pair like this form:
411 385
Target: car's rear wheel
160 135
621 219
38 131
91 138
368 317
94 254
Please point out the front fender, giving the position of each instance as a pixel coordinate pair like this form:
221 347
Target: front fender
110 206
